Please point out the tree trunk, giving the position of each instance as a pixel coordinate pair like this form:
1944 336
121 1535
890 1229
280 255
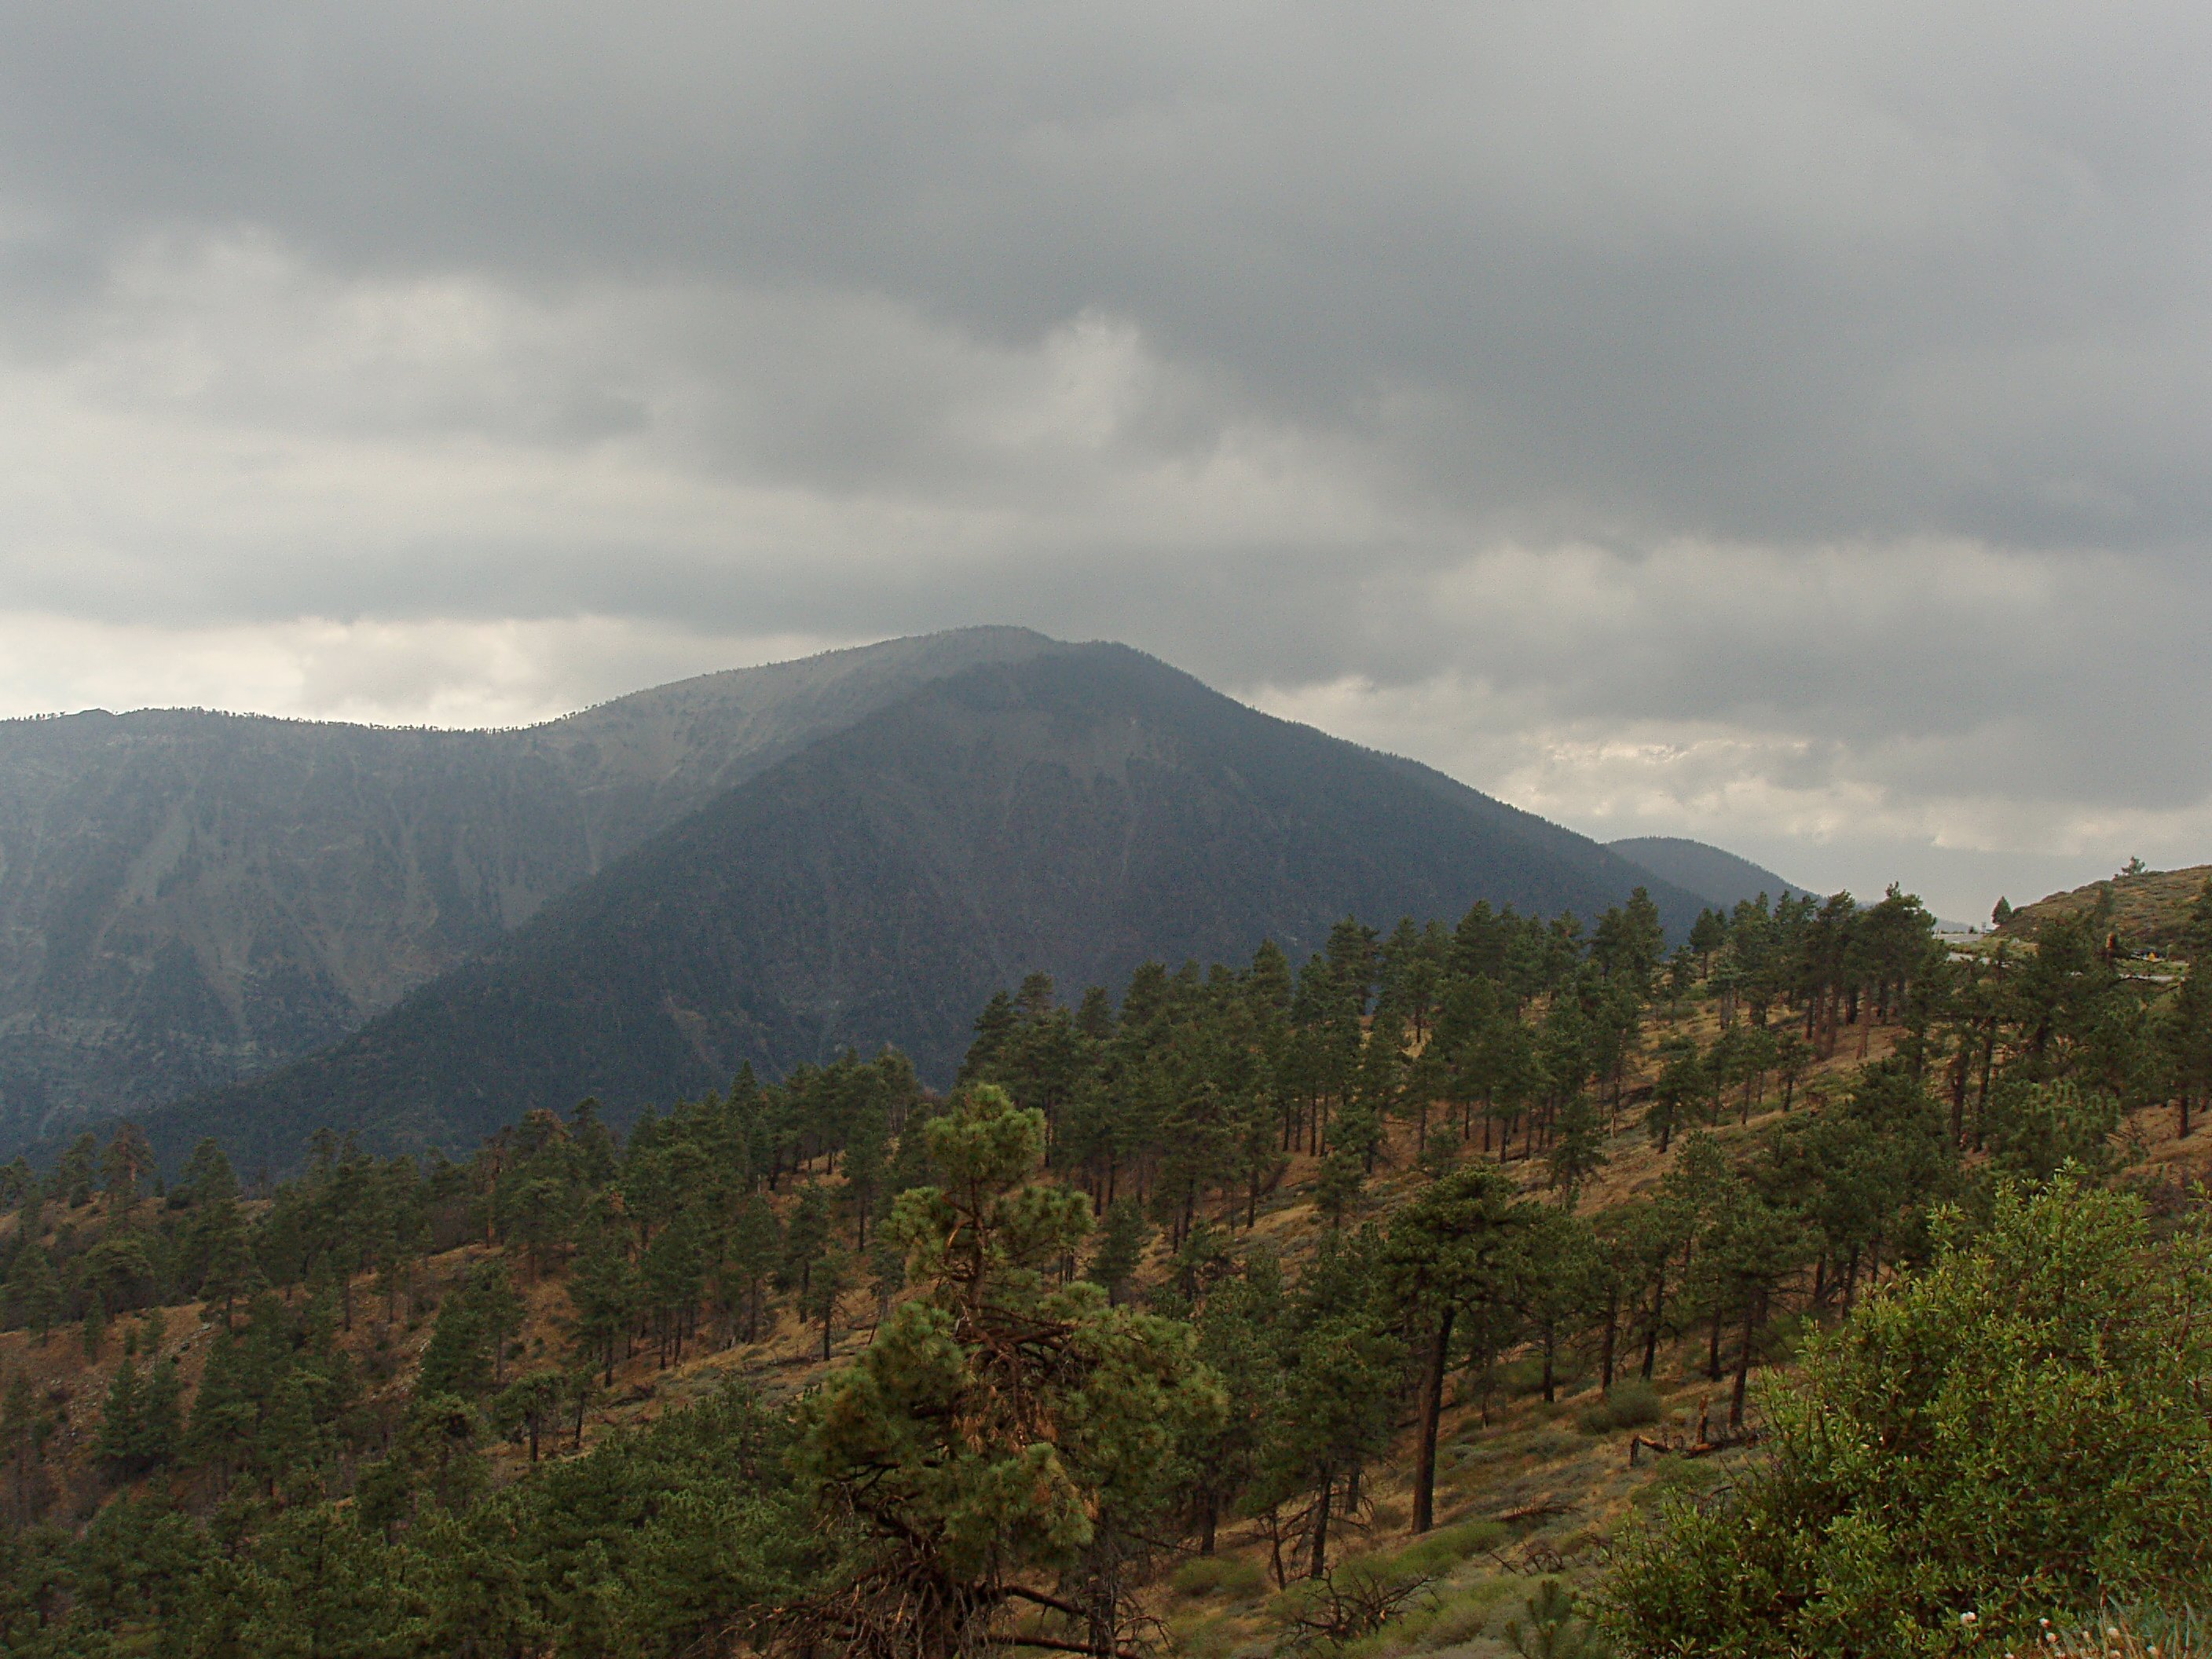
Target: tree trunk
1320 1525
1651 1336
1604 1351
1432 1402
1752 1309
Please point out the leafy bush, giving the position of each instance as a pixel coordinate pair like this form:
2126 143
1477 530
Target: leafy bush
1455 1616
1228 1576
1552 1631
1440 1551
2036 1128
1631 1404
2020 1427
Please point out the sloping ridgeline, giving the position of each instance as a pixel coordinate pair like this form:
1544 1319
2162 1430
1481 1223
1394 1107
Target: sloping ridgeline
1078 812
187 898
1709 871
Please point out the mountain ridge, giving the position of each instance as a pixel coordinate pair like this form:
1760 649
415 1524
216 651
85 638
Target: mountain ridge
189 897
1075 813
1723 877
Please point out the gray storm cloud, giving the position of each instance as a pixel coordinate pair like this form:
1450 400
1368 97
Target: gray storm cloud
1786 425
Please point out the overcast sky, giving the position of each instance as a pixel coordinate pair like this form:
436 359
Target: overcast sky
1786 425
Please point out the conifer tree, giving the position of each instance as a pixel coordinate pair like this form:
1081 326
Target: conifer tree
834 1275
1452 1252
118 1420
1338 1399
35 1295
1000 1423
20 1437
72 1180
1121 1246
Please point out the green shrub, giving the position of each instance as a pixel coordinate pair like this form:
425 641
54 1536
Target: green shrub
1631 1404
1518 1377
1548 1628
1227 1577
1460 1619
2017 1428
1438 1552
1549 1445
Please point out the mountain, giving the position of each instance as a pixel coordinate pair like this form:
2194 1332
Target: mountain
1077 812
189 897
1715 875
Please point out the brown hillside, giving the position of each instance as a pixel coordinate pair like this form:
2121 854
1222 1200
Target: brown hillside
2150 912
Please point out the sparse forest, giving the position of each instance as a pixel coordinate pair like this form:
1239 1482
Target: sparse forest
1805 1286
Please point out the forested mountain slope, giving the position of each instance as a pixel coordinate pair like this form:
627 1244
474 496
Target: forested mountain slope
1076 814
1461 1291
187 897
1712 873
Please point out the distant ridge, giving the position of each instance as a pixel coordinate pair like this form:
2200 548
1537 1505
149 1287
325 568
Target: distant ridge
1719 877
1076 811
187 897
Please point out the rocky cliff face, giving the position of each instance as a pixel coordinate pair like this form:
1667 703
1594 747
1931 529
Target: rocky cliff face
188 897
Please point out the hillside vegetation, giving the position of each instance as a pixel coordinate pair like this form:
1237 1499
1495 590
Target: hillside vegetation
2146 911
1482 1289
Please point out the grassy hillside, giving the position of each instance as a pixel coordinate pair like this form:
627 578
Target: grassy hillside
2150 912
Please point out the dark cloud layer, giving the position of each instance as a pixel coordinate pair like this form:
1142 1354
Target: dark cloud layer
1782 424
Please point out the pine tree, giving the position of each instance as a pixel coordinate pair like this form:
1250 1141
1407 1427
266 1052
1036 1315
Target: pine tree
459 1359
71 1182
118 1445
1121 1245
224 1413
1339 1398
96 1327
127 1162
833 1274
749 1255
1337 1187
1452 1252
528 1406
20 1437
602 1294
35 1295
955 1438
160 1414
